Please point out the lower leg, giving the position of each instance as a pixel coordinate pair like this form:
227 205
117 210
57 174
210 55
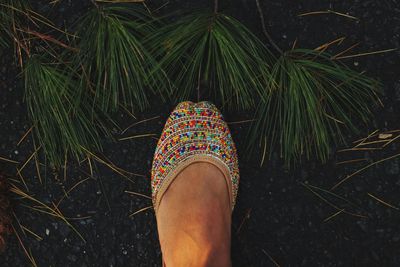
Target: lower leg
194 218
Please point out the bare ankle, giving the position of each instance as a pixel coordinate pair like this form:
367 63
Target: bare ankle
195 214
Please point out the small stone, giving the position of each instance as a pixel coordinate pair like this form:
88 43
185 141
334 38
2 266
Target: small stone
47 232
55 225
72 258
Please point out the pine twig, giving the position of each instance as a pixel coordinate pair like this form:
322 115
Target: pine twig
264 28
215 6
94 3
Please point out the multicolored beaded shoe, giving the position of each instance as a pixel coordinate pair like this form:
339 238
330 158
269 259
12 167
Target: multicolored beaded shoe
194 133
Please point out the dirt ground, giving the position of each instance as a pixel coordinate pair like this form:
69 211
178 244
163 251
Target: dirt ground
278 219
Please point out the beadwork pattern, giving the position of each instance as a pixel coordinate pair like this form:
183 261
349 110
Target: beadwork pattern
194 129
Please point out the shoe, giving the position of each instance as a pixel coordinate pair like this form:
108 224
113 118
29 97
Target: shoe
194 132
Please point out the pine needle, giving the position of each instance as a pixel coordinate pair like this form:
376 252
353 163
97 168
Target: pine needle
139 122
9 160
36 236
311 102
312 190
363 169
366 53
328 12
70 190
137 194
276 264
383 202
24 136
139 211
212 55
112 166
28 254
334 215
43 208
112 53
136 136
63 117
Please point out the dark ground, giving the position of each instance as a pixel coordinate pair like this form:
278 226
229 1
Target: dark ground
276 217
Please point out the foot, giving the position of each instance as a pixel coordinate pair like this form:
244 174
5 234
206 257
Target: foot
195 179
194 218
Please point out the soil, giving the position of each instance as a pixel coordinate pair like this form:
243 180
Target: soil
278 220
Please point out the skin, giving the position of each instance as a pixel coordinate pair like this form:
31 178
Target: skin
194 219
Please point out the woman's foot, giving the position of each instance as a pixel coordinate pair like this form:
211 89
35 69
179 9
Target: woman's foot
194 218
195 178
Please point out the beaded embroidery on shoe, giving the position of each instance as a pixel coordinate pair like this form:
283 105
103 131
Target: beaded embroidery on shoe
193 131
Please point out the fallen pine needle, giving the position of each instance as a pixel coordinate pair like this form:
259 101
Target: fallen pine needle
350 161
111 165
240 122
70 190
9 160
139 122
323 47
37 237
127 111
391 141
367 53
128 172
362 169
376 142
139 211
362 140
28 255
334 215
78 218
90 166
382 201
271 259
245 218
44 208
24 136
37 164
136 136
29 159
22 179
345 51
330 203
328 12
137 194
359 149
